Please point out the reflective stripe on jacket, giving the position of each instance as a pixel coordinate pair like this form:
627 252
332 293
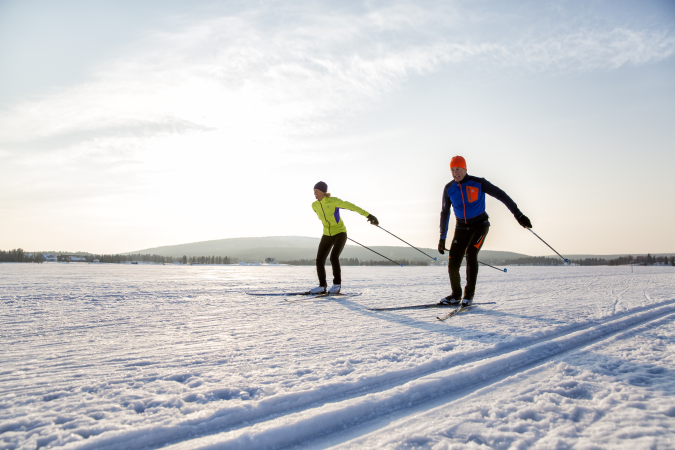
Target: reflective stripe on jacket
328 210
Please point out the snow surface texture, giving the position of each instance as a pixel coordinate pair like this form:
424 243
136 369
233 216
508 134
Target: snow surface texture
118 356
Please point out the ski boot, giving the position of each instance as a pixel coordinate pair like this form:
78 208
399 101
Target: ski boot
452 299
467 299
335 290
318 290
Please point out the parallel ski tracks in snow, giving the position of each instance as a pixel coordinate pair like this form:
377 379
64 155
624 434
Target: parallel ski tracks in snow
289 419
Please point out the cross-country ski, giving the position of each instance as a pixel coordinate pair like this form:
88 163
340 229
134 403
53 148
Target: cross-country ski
278 294
424 306
459 310
327 295
455 311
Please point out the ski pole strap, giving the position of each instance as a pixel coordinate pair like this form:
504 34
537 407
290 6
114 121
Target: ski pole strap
564 259
435 259
375 252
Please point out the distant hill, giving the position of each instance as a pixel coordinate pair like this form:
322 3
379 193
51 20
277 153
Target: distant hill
298 247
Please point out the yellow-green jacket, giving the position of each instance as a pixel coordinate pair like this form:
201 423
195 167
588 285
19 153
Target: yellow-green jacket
328 210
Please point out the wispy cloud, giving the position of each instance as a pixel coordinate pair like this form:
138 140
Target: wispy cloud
252 84
235 72
587 49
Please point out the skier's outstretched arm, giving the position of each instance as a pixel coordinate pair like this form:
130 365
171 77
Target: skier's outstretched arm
352 207
500 195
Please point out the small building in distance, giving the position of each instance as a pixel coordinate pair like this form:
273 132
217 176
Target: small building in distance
74 258
49 258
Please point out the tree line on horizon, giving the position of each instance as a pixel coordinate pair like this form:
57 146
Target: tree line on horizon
647 260
160 259
355 262
19 255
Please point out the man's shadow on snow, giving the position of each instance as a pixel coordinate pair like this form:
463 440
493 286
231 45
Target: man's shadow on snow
430 325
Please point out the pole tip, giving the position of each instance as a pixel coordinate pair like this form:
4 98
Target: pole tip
401 265
505 270
435 259
567 261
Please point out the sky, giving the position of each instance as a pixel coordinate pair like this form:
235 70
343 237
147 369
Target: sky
127 125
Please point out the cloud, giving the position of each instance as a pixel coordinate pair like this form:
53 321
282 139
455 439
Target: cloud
588 49
254 83
297 78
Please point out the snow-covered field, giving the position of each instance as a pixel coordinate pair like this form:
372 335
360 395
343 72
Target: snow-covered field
119 356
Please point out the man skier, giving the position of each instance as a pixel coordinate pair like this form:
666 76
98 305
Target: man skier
466 195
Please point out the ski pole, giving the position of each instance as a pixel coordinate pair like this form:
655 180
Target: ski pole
375 252
501 270
432 257
564 259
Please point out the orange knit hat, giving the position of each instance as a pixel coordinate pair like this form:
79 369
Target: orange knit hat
458 161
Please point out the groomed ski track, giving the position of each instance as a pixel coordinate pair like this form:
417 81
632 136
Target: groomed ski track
297 419
357 412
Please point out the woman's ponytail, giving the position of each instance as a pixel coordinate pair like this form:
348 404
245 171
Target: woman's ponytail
327 194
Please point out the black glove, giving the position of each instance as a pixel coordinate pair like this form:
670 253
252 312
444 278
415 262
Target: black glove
441 246
524 221
373 220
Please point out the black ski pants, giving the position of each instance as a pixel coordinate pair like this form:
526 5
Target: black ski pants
337 243
466 242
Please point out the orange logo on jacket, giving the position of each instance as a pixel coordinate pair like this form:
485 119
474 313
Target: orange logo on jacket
472 193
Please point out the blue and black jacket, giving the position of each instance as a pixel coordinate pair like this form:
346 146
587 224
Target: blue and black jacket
467 199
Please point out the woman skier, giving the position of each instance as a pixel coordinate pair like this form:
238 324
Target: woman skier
466 195
327 208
